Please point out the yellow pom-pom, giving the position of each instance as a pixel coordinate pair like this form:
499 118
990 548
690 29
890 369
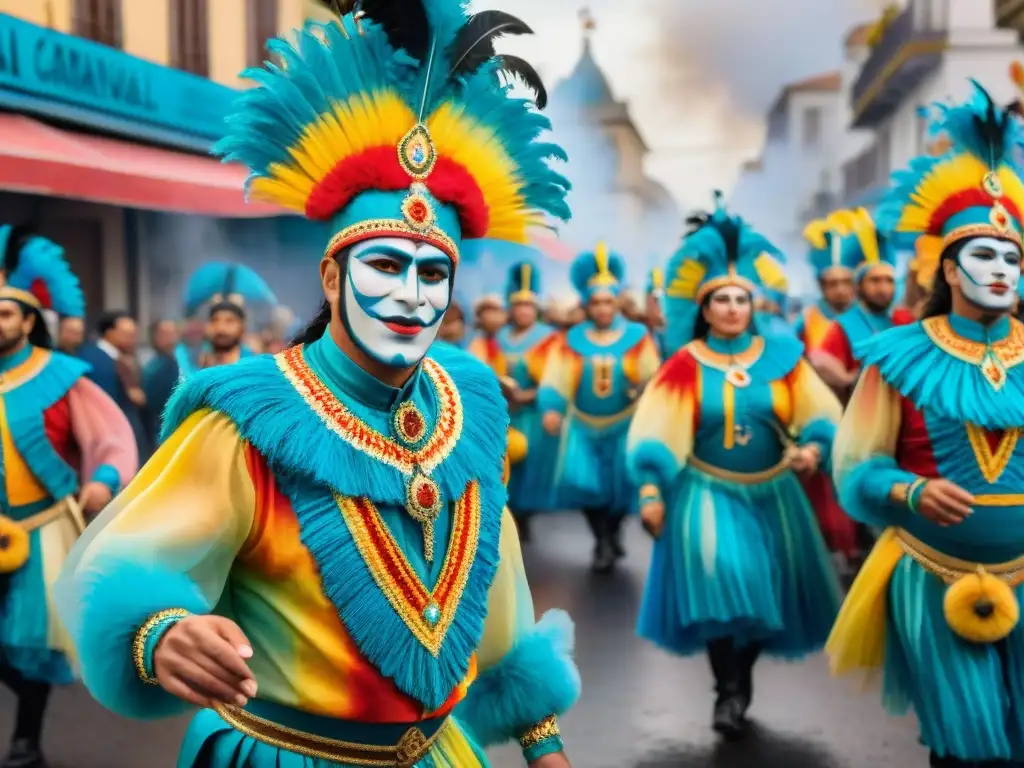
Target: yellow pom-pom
14 545
981 608
517 446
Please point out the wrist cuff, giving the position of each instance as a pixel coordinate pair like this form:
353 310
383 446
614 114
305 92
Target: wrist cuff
914 493
544 738
650 492
147 638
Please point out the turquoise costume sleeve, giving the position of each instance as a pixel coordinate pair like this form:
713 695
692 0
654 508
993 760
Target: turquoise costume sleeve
163 548
548 399
863 457
109 476
526 673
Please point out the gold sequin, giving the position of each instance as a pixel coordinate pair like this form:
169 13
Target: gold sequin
139 645
545 729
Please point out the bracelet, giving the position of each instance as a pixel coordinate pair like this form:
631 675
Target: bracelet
147 638
914 492
544 738
650 492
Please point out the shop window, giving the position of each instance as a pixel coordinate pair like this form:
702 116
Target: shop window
190 36
261 26
98 20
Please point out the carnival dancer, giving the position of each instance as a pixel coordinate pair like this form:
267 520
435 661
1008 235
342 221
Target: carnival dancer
525 343
318 555
67 448
588 394
928 448
865 253
739 565
227 288
836 283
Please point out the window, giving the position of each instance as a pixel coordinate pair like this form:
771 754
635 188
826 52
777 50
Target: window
812 126
261 26
190 36
98 20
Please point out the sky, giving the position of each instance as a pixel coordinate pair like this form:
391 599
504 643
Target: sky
699 75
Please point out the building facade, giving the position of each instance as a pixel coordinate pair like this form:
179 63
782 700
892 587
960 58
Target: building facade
108 109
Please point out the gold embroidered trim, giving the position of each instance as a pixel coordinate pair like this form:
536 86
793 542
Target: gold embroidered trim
24 373
139 644
427 613
364 230
724 282
365 438
992 465
1009 351
542 731
413 746
741 478
949 568
9 293
982 230
723 362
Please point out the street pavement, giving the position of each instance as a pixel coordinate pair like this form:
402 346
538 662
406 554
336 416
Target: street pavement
640 707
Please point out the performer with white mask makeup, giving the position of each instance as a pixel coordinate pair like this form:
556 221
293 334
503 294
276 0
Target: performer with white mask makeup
319 556
929 450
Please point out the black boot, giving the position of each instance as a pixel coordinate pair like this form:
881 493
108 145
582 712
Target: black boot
604 553
747 659
729 704
615 536
24 754
32 700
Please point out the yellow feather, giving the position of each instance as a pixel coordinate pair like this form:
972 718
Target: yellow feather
840 222
815 232
601 258
948 177
924 265
687 280
867 235
770 273
524 274
657 278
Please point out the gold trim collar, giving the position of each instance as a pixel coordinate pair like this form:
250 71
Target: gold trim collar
723 362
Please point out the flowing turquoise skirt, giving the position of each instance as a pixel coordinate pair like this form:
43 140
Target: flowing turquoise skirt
29 641
210 742
740 561
969 699
591 470
532 481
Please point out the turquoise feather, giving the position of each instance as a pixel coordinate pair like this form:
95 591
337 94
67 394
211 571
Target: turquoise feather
41 260
224 279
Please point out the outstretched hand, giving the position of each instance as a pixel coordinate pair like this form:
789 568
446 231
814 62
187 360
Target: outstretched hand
202 660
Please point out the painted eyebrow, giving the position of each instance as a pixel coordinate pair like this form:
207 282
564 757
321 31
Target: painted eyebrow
379 251
435 261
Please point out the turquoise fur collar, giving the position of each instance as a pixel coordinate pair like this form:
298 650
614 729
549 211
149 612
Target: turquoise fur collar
510 344
941 372
579 341
25 404
313 462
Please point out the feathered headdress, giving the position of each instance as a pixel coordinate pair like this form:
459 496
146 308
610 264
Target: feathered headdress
825 237
719 251
862 248
523 283
972 190
36 275
225 285
393 121
598 271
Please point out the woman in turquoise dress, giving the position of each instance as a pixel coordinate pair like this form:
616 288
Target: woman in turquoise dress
719 436
588 394
524 344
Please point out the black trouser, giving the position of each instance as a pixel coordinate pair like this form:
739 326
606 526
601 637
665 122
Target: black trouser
33 697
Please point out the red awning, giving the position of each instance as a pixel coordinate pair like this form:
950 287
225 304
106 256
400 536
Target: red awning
40 159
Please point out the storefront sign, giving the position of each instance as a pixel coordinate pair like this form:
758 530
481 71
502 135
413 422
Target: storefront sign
59 71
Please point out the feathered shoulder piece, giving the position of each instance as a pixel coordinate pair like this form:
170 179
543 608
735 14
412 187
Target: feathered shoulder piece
393 120
971 190
219 282
35 273
720 250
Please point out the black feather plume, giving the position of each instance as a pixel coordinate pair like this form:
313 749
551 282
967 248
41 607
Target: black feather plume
473 45
18 236
230 278
992 127
524 71
697 220
729 229
406 23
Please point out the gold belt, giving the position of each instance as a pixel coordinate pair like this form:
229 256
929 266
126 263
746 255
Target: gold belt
743 478
412 747
950 569
67 506
601 422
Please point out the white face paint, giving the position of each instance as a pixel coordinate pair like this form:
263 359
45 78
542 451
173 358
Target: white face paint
989 271
396 293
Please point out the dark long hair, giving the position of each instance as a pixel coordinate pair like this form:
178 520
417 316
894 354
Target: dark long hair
940 299
316 327
701 326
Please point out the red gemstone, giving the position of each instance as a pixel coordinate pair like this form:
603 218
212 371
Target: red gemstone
411 424
425 496
418 211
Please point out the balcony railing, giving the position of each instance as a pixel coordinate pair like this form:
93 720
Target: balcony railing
910 48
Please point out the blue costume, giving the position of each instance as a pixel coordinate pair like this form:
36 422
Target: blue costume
739 566
524 356
593 378
936 606
353 529
60 433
